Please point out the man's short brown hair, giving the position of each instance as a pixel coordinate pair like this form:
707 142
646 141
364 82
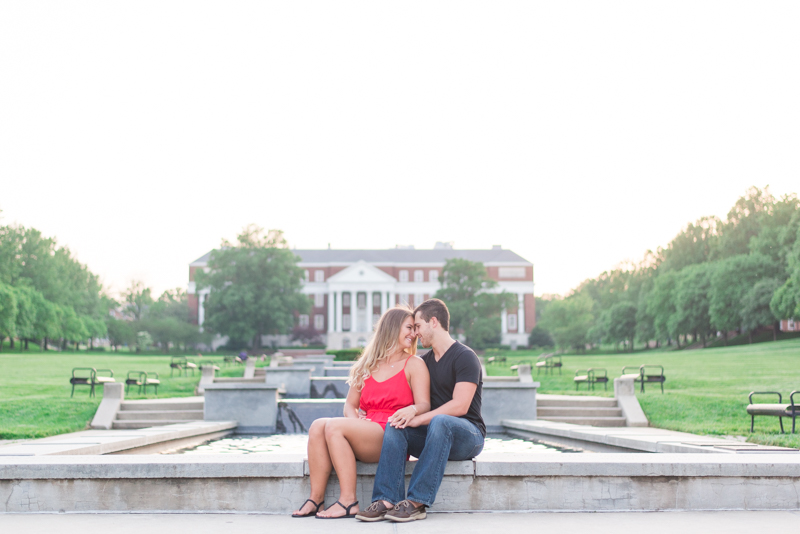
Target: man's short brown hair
434 308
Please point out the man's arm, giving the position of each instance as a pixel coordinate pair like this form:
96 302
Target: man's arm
462 398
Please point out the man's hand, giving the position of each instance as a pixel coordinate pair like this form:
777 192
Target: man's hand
401 417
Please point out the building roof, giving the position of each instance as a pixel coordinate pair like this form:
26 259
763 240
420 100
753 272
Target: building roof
399 255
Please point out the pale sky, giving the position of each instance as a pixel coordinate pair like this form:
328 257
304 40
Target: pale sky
577 133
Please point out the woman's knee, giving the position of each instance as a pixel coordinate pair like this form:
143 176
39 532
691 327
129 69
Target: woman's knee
333 428
317 428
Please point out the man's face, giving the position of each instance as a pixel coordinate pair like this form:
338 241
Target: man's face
423 330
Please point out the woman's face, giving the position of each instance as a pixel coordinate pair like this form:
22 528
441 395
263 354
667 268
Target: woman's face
407 336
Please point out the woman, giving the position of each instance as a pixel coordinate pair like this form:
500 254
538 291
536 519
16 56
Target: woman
387 381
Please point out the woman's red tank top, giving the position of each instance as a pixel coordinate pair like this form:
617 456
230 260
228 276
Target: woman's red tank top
381 399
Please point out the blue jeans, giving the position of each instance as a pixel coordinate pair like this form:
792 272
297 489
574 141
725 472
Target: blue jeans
445 438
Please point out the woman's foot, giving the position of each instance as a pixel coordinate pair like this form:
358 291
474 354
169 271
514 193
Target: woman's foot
309 508
339 510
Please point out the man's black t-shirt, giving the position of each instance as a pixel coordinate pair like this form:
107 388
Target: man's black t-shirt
458 364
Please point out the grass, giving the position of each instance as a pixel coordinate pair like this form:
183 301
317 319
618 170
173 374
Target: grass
35 391
706 390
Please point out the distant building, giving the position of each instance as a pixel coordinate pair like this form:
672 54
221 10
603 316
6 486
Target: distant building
350 289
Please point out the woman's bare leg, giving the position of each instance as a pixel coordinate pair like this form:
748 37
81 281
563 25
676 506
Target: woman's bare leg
350 439
319 464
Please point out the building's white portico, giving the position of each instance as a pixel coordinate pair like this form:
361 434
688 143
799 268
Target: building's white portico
357 296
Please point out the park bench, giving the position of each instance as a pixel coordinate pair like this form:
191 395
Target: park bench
208 362
778 410
141 379
590 377
647 373
88 376
182 365
231 360
548 362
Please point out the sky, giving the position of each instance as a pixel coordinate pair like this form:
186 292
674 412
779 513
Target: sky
578 134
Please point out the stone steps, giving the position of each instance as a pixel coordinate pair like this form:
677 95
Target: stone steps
158 412
579 410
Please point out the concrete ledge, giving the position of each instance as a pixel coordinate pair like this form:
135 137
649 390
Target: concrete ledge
503 482
110 441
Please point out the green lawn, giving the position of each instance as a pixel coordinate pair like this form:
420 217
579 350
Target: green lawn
706 390
35 389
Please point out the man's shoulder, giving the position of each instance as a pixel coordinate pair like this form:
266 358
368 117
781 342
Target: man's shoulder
462 350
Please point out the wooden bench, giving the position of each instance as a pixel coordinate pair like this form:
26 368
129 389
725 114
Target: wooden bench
88 376
778 410
590 377
548 362
647 373
141 379
182 365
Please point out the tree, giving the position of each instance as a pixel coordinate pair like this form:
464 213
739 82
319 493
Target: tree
732 279
569 321
474 309
691 299
755 309
255 287
120 333
540 337
8 313
138 299
661 303
620 323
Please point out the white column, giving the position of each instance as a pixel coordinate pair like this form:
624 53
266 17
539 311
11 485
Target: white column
504 321
338 311
331 312
384 302
390 300
521 314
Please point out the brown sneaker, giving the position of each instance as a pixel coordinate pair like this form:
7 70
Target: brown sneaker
374 512
405 511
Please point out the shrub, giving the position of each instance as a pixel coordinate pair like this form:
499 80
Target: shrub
346 355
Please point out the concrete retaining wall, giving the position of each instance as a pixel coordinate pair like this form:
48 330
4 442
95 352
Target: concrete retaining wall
279 483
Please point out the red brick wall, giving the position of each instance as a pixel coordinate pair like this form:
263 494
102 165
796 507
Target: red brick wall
194 308
493 273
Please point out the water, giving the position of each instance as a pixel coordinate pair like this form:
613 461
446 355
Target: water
297 443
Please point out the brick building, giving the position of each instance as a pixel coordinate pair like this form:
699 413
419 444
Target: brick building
350 289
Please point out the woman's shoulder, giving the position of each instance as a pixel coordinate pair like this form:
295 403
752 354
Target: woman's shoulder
416 363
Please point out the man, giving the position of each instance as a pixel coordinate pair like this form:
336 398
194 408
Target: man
452 430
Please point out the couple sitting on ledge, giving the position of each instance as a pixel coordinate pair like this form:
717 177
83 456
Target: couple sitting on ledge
399 405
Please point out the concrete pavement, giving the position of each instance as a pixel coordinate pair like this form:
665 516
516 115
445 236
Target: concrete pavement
743 522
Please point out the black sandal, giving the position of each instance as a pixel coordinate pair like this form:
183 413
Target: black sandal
347 515
309 514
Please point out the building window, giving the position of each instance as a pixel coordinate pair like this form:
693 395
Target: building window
511 272
319 300
419 276
419 298
346 343
306 274
404 298
512 321
346 321
375 318
433 276
319 276
302 321
345 300
790 325
362 342
376 300
319 322
362 301
404 276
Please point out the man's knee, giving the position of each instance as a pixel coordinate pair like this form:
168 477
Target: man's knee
394 437
440 423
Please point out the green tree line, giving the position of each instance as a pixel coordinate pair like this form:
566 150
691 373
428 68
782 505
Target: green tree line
738 274
49 298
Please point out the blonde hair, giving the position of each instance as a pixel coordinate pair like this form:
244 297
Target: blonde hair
382 344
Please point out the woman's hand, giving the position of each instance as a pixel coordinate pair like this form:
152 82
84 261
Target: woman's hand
402 417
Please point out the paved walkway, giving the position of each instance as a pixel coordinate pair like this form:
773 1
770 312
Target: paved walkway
596 523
